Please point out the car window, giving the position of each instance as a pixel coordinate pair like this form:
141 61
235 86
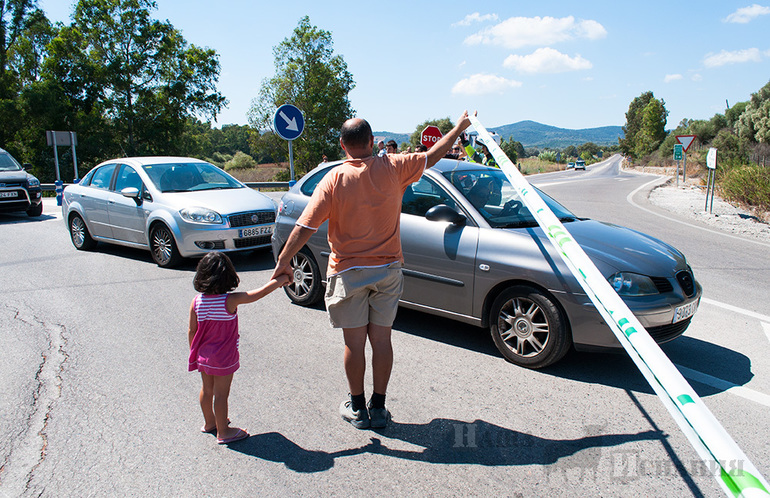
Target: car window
490 192
311 183
189 177
8 163
86 180
127 177
422 195
102 176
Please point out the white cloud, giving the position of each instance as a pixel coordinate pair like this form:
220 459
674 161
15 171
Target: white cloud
672 77
747 14
697 77
546 60
517 32
483 84
475 17
735 57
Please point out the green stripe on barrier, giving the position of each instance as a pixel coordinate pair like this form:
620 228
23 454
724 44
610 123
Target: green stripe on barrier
709 439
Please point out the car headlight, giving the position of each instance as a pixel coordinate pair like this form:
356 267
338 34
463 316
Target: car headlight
632 284
200 215
32 181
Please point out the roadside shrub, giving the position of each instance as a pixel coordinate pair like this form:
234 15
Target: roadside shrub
240 160
747 184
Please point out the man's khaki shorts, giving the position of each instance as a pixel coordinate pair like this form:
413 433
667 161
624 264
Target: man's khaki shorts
359 296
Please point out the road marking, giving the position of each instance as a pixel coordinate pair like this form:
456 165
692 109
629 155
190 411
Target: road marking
630 200
766 326
729 387
752 314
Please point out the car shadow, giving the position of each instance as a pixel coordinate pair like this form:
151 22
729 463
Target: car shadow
614 369
22 217
448 441
244 261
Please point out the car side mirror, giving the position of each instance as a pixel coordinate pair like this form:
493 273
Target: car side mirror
442 212
132 193
26 166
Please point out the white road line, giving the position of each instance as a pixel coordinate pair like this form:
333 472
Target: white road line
766 326
630 200
752 314
743 392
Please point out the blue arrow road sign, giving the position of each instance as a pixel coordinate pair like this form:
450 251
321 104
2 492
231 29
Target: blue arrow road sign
288 122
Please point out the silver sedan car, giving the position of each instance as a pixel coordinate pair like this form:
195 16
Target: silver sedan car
175 207
474 253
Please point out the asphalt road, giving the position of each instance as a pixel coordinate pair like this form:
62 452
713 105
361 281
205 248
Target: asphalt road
97 400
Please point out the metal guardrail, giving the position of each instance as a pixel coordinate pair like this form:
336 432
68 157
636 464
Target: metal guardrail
50 187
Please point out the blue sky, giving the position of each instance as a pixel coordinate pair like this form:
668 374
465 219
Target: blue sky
562 63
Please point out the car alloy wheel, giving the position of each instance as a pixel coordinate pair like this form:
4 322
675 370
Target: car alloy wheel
528 328
163 247
306 287
81 239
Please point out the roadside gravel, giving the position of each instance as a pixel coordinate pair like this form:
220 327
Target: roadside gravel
690 200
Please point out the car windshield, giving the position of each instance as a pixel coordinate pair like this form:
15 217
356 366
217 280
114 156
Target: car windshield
8 163
189 177
493 196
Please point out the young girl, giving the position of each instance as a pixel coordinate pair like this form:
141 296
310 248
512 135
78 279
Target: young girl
213 338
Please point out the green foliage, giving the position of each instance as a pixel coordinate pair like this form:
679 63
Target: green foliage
309 76
749 184
512 149
548 156
754 123
645 126
733 113
240 161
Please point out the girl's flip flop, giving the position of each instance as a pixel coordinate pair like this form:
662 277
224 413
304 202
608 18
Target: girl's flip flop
241 435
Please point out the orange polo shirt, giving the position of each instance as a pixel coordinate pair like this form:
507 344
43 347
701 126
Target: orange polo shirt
361 198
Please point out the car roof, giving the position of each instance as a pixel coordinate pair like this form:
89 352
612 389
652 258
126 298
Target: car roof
148 160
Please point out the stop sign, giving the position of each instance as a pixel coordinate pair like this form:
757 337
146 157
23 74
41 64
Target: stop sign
430 135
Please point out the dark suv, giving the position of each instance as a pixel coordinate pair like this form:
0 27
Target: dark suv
19 191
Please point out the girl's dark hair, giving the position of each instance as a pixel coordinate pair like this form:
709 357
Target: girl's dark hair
215 274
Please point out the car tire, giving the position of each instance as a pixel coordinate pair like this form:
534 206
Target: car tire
163 247
79 234
528 328
306 287
35 210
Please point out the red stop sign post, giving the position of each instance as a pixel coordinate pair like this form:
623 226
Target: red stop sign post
430 135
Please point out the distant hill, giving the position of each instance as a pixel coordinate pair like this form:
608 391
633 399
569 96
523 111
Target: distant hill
533 134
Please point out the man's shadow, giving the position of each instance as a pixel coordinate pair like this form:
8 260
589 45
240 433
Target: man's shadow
447 441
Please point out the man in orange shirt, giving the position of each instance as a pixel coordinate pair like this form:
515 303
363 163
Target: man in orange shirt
361 198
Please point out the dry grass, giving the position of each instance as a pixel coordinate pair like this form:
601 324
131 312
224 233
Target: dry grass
262 173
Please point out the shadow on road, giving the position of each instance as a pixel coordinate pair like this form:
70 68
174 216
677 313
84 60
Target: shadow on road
447 441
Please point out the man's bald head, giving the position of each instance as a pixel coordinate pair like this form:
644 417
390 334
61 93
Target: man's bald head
356 133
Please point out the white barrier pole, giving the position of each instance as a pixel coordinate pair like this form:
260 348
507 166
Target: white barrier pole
736 474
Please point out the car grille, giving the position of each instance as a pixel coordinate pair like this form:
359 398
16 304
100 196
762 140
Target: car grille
687 282
252 241
665 333
252 218
662 284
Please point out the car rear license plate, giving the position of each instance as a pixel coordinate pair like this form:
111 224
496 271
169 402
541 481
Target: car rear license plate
7 194
685 312
256 231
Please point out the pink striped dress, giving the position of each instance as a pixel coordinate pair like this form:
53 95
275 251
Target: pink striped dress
214 348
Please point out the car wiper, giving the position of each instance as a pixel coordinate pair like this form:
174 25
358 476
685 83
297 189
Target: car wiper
520 224
568 219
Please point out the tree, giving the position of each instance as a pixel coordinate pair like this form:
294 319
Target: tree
645 125
138 71
754 124
513 149
309 76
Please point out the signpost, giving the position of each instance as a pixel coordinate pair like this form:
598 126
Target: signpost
678 151
711 163
430 135
289 123
686 141
56 138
